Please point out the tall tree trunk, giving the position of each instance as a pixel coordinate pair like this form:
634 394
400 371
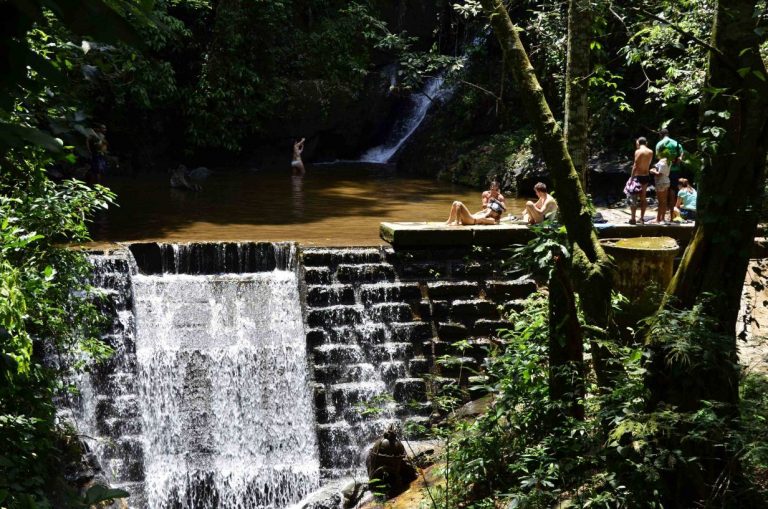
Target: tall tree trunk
593 270
577 85
735 127
566 345
735 121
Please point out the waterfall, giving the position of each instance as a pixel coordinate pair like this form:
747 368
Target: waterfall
223 407
407 124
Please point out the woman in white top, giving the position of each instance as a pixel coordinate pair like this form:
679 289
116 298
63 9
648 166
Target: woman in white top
661 172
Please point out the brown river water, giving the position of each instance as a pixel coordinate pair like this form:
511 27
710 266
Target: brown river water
331 205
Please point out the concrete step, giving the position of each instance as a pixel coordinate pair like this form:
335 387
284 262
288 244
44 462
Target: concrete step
330 295
392 370
344 373
448 290
389 352
337 354
335 256
465 311
410 389
365 273
509 290
334 316
317 275
389 312
390 292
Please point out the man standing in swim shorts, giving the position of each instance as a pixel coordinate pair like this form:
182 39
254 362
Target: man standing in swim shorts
641 171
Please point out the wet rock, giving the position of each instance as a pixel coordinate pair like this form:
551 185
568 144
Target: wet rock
388 470
199 173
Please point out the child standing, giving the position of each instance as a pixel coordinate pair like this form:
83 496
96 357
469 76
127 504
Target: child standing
661 172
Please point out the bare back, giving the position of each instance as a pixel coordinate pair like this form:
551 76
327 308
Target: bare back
643 158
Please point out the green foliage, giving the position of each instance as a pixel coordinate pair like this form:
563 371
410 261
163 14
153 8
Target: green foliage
525 453
47 307
49 315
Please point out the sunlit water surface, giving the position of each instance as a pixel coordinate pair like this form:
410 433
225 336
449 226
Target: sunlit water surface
337 205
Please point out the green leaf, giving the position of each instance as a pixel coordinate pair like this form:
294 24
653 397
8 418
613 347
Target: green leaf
14 136
99 493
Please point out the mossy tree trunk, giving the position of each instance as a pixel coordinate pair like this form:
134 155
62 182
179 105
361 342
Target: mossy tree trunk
735 127
735 133
577 85
591 267
566 345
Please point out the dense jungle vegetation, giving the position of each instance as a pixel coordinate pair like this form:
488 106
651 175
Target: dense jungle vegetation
665 420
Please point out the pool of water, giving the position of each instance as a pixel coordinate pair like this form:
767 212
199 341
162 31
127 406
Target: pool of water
331 205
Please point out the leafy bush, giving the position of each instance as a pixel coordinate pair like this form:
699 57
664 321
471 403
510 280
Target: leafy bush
525 452
47 309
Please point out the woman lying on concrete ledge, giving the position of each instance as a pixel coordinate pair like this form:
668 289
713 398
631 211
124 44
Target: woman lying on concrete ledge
460 214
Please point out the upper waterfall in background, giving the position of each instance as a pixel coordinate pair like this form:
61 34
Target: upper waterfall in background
406 125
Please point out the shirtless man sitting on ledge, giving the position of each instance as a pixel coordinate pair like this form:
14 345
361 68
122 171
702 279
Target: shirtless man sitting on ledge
536 213
460 214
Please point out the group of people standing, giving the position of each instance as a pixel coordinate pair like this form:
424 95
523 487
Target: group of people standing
674 193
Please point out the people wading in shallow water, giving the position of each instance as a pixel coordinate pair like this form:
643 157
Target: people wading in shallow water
641 170
296 163
460 214
536 213
494 193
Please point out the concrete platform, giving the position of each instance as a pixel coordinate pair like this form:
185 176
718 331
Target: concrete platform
425 234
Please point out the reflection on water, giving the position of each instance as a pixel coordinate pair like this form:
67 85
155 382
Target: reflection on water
329 205
297 188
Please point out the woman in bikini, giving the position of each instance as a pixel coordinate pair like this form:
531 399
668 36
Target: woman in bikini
460 214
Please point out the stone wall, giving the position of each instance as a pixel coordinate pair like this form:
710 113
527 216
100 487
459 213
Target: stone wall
379 320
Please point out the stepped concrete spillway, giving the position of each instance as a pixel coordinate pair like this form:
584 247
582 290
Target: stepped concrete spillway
248 374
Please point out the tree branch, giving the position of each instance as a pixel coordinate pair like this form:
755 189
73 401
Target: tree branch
688 35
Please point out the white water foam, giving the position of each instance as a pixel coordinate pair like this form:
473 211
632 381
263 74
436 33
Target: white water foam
224 391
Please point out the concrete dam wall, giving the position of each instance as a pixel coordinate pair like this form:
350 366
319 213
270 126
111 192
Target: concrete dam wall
248 374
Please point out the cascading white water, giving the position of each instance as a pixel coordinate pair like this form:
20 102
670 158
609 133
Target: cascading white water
223 391
407 124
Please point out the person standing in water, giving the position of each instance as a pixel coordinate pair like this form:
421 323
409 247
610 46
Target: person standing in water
296 163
